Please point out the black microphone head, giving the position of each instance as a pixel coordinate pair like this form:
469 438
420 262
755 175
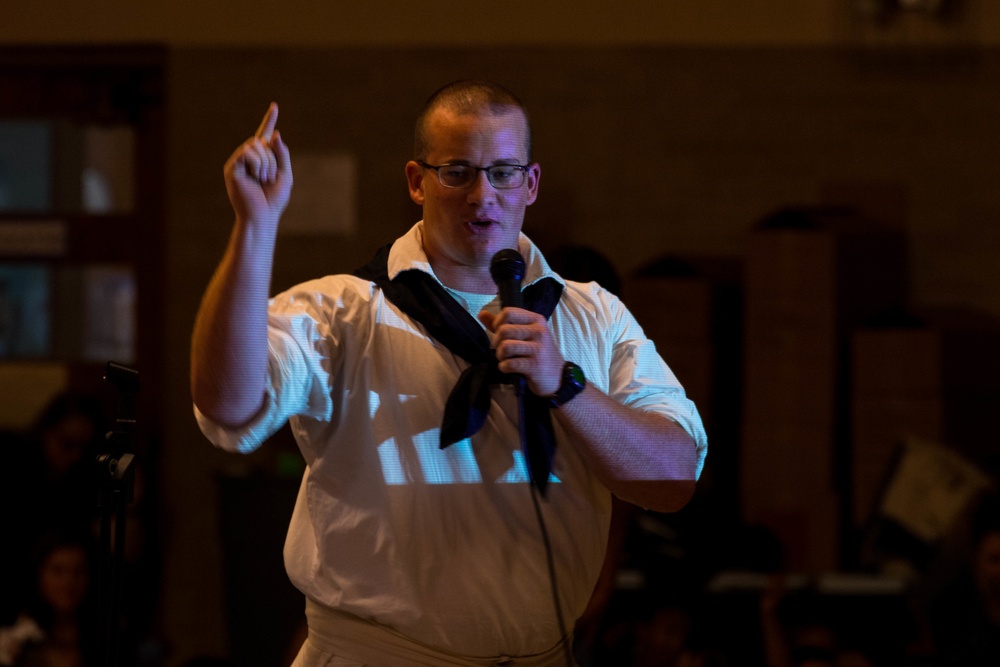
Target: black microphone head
507 265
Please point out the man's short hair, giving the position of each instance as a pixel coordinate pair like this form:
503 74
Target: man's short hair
467 97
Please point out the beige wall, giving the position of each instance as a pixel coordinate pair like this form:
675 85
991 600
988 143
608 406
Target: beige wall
471 23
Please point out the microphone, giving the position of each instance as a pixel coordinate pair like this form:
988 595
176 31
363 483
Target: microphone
507 269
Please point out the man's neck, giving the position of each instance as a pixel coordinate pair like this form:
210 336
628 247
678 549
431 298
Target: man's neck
464 279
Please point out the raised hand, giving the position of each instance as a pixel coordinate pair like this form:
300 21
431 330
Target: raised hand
259 174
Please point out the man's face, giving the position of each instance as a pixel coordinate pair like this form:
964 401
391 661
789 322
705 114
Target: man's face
465 227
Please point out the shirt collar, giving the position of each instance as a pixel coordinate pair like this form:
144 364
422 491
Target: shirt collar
408 253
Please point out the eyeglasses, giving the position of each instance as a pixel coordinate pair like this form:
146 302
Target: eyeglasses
501 176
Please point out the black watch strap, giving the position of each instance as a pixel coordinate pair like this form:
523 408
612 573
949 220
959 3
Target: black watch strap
573 382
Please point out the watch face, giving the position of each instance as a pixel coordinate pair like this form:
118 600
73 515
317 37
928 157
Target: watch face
575 375
573 382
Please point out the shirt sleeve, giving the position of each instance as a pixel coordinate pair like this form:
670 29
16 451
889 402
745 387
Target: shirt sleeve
250 436
641 379
301 342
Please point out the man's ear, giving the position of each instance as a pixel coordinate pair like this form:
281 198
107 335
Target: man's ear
534 176
415 181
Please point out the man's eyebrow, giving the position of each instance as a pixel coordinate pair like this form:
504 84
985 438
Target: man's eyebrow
501 162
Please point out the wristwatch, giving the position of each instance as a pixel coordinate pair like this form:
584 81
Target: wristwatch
573 382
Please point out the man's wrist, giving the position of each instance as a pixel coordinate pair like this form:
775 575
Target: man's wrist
572 383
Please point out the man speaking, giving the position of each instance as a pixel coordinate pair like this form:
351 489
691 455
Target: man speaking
461 449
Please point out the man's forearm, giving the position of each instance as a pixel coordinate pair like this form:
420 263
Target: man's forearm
642 457
229 344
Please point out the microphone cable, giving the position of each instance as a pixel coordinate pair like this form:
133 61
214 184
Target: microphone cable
507 269
549 557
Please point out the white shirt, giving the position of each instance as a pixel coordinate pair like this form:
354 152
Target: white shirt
442 545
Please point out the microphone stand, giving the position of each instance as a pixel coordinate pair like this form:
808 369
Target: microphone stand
116 488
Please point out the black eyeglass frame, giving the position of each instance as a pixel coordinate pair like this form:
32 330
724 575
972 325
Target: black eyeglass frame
523 168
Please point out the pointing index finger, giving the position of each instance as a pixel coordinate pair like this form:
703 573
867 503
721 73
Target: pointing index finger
267 125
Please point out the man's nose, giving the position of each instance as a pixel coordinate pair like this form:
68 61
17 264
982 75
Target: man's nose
481 191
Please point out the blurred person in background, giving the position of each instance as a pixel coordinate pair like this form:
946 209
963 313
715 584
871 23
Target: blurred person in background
47 483
57 625
965 617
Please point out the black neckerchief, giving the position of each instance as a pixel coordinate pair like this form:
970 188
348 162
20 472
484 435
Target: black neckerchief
420 296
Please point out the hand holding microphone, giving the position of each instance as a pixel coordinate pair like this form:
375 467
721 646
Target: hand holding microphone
524 342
